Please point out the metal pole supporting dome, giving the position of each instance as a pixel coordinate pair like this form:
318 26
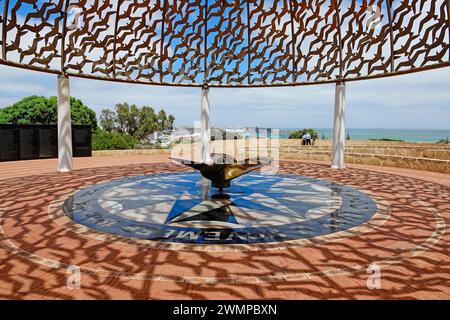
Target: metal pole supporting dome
226 43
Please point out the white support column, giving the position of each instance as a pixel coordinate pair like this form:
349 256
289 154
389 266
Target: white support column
65 163
205 140
338 153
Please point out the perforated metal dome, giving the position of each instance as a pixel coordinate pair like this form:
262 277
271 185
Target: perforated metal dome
226 42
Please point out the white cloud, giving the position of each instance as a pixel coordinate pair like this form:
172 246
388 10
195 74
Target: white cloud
420 100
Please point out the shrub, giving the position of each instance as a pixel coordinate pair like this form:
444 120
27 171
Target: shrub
387 140
104 140
443 141
299 133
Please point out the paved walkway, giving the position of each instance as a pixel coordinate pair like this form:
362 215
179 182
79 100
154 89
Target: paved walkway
411 246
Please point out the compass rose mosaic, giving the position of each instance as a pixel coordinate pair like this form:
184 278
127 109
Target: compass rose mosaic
179 207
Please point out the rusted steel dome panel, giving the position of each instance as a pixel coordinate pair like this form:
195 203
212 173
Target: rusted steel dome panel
226 42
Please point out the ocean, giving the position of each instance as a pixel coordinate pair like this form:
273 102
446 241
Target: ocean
412 135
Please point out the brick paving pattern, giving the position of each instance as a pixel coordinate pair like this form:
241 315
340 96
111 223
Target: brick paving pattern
411 246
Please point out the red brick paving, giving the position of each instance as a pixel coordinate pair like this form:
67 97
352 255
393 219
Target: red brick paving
412 247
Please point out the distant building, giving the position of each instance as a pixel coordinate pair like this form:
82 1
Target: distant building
177 134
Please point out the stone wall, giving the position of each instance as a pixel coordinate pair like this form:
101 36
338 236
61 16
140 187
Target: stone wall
133 152
422 156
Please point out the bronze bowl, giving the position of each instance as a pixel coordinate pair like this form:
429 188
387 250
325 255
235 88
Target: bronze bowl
224 169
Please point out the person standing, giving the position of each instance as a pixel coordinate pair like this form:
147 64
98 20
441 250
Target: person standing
308 139
314 138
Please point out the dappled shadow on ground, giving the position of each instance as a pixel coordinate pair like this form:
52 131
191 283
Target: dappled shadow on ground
411 248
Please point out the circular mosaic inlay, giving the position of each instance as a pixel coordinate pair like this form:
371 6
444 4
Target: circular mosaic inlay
178 207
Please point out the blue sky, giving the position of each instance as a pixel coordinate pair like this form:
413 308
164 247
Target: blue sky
420 100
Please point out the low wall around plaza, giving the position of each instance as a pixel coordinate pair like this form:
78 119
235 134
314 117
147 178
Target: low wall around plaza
130 152
420 156
429 164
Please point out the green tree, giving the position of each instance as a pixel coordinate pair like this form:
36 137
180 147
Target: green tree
147 123
42 110
138 122
122 112
170 122
162 120
127 118
29 110
108 120
348 136
80 113
133 120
